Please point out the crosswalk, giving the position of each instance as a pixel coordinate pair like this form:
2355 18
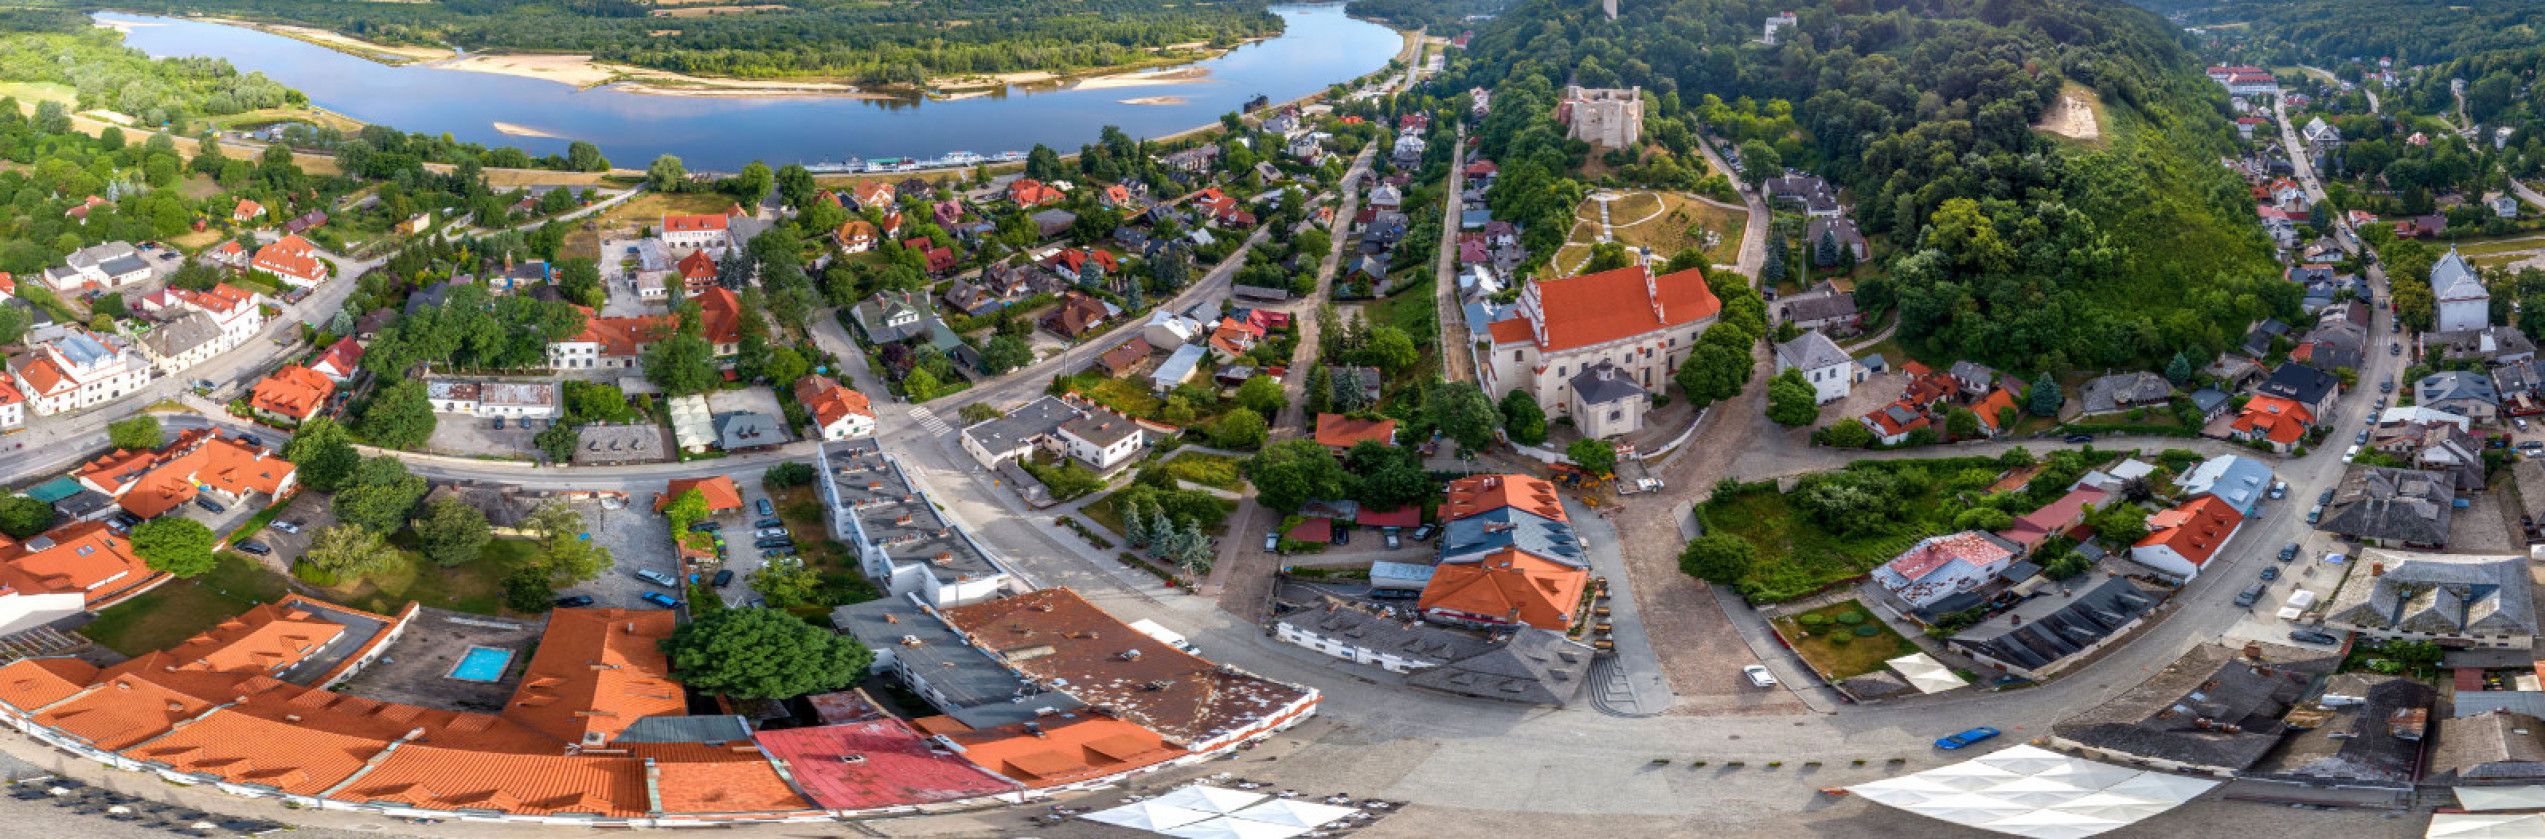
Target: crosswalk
927 419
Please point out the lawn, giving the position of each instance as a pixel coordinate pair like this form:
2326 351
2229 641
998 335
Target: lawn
1837 647
29 93
1797 557
1103 513
179 609
1210 470
1130 396
1664 223
475 586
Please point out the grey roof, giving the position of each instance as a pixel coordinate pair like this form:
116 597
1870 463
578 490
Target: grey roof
2491 344
1972 374
606 443
2455 386
1178 367
2120 391
2489 743
1400 574
2377 739
1812 351
1101 430
2053 626
1822 302
895 520
2452 279
975 687
708 729
2210 399
2207 709
176 337
2300 383
1023 425
1602 384
2442 595
1510 527
1537 666
749 430
1405 638
2476 703
2403 505
875 314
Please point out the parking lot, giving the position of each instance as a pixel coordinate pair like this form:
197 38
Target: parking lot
309 512
623 292
638 540
469 436
742 556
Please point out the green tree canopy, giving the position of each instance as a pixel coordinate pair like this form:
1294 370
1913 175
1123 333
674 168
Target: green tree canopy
1293 472
1791 400
452 531
400 417
763 654
1522 419
175 544
1464 413
349 551
139 432
379 495
1718 558
21 517
1597 457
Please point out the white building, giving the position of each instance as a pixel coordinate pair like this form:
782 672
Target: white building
1829 369
902 541
1102 440
77 370
2463 302
237 313
1027 427
1605 117
1640 323
105 267
491 400
1775 23
698 232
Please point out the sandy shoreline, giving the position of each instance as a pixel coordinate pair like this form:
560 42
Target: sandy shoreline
513 130
1153 100
343 43
583 72
1176 75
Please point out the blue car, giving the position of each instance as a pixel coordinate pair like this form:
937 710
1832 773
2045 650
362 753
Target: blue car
1966 738
666 601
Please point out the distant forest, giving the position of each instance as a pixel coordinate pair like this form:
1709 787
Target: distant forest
873 43
1445 18
2412 31
2002 243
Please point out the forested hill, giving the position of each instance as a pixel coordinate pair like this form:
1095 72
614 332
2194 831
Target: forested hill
900 42
2411 31
2006 244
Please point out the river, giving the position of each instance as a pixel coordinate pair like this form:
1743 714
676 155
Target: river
1318 47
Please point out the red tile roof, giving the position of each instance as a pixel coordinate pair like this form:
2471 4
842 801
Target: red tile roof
1064 749
626 336
1924 558
2031 529
2275 418
720 316
148 483
1989 408
30 683
1509 586
830 402
1405 516
1486 493
693 223
2195 529
897 766
718 489
291 256
1028 192
598 671
1311 529
1618 304
82 557
1341 432
340 360
294 391
697 266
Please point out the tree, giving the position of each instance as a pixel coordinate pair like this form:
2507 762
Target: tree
580 156
1344 394
323 453
1595 456
1004 353
557 442
754 182
1791 400
379 495
1294 472
21 517
1262 395
763 654
788 474
1241 429
788 586
786 365
1962 423
666 174
175 544
567 556
1717 368
1318 391
1772 271
1718 558
138 433
401 417
1391 349
688 508
2043 398
1461 411
452 531
349 551
2118 524
1825 250
1759 162
681 365
920 385
1846 434
2179 370
1522 419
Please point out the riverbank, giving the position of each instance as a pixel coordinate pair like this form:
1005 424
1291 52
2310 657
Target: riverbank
347 44
581 71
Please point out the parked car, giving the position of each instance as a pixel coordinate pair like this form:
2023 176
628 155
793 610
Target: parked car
2362 439
2289 552
1272 541
574 601
2395 349
2251 595
252 440
2078 438
2310 636
765 508
1951 742
255 547
660 599
1759 677
287 526
777 551
2325 497
2316 515
2387 386
1424 533
769 522
211 506
705 527
2353 454
1342 536
766 544
499 423
770 533
2279 490
1392 543
2270 573
657 577
723 578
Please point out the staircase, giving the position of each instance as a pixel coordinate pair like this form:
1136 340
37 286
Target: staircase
40 642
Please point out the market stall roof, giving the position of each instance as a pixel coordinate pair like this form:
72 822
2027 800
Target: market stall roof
2479 799
1150 815
1295 813
2486 826
1209 799
2029 791
1925 673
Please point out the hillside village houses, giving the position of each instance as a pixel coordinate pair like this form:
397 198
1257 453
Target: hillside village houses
1637 323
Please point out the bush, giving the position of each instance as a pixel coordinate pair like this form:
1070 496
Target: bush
1851 618
1812 619
1841 640
315 575
1868 631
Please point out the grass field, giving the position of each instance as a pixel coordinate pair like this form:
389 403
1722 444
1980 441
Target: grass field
1129 396
476 586
29 93
1103 513
270 116
645 210
1211 470
1838 649
1798 556
1663 223
810 522
179 609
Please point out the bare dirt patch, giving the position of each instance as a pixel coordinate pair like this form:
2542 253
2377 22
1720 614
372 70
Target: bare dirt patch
2078 115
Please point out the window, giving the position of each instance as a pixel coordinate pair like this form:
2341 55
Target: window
1615 415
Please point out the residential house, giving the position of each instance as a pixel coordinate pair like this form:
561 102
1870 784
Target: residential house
1103 440
70 569
1641 323
1077 315
2215 711
1340 433
1123 358
1835 241
2339 340
937 260
2455 600
1973 379
705 231
875 195
293 260
2241 482
2459 392
2181 539
2121 392
2521 388
1232 339
1179 367
839 413
2463 303
2442 447
77 369
181 343
246 212
2260 337
1022 430
1942 566
1506 588
1823 308
2315 389
294 394
2385 506
236 314
340 361
856 236
1892 424
199 463
2492 345
2030 530
103 267
1029 193
229 255
611 343
1167 329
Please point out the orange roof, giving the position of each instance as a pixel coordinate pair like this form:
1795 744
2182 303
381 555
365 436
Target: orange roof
2281 420
598 671
1988 408
624 336
221 299
899 765
856 231
294 391
440 778
248 749
1511 331
692 224
30 683
697 265
1486 493
701 778
122 711
720 316
1070 748
9 394
79 557
2195 529
1342 432
1029 192
150 483
1509 585
45 376
871 193
1619 303
719 490
263 640
831 402
247 210
291 256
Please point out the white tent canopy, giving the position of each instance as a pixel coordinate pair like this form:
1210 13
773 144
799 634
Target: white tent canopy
2486 826
1210 799
2501 798
1925 673
1293 812
2028 791
1232 827
1151 815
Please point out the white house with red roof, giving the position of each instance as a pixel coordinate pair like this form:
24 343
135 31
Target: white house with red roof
229 254
2180 540
1636 324
341 360
77 370
293 260
238 312
704 230
838 412
1942 566
13 405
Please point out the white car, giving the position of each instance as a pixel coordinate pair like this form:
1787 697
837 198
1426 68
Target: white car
1759 676
2351 455
770 533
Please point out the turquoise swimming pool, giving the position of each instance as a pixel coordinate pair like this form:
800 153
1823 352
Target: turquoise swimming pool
482 664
